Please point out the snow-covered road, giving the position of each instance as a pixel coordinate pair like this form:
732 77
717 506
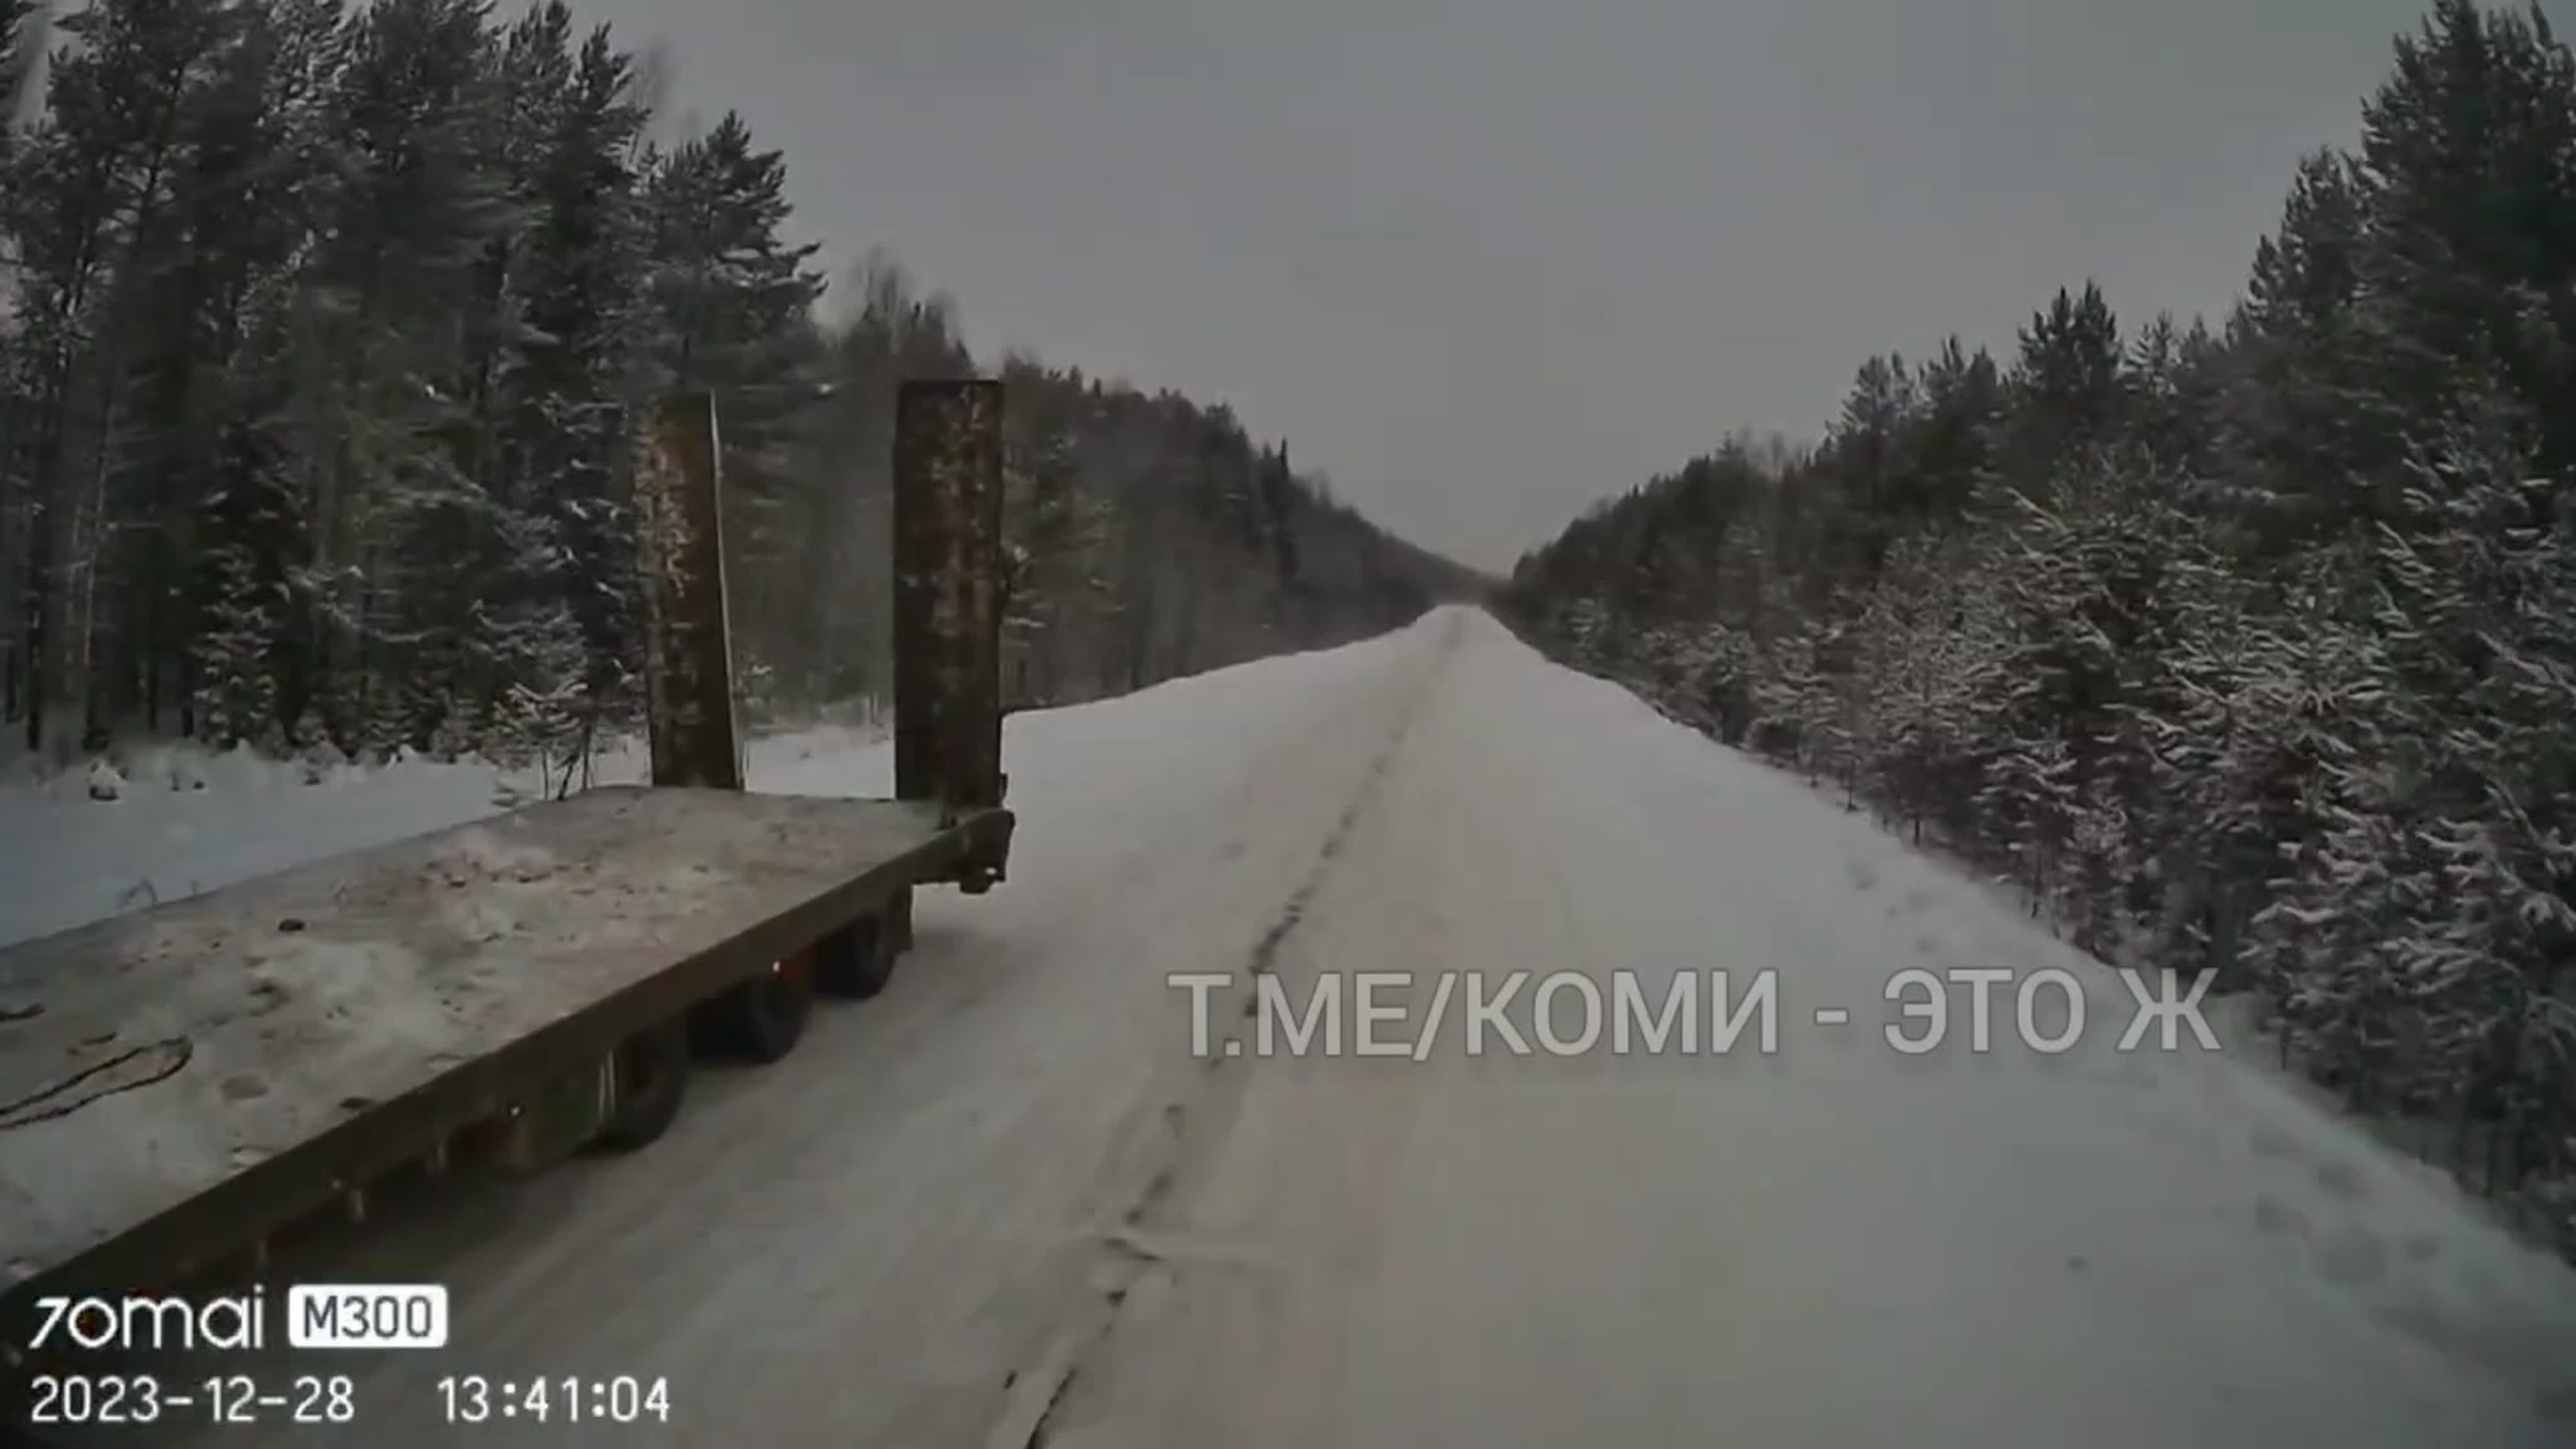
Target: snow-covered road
1004 1204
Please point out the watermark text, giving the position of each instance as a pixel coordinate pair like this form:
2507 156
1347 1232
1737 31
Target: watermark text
1402 1014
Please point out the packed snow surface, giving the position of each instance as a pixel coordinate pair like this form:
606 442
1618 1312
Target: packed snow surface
1005 1204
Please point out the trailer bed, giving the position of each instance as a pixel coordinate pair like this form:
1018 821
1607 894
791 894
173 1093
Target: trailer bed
241 1048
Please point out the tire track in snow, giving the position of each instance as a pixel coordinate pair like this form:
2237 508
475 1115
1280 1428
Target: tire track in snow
1196 1122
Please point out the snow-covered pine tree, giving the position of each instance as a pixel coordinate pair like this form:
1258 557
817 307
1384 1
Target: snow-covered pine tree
731 307
577 285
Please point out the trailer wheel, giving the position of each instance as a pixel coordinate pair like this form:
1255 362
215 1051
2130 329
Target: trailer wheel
762 1019
857 960
652 1079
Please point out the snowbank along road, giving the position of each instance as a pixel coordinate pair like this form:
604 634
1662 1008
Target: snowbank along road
1006 1204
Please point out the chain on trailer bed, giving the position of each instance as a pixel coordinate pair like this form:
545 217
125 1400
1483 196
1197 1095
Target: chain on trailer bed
204 1062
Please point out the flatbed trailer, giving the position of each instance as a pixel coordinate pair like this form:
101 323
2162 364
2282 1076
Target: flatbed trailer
181 1085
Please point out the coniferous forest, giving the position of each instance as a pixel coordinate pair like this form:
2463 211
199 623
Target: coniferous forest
330 329
2246 648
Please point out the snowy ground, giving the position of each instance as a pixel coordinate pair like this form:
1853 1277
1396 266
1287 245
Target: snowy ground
1004 1205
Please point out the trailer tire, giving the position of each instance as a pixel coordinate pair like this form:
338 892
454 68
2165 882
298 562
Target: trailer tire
652 1080
857 960
761 1020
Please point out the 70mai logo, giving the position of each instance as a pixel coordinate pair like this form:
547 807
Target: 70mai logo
151 1323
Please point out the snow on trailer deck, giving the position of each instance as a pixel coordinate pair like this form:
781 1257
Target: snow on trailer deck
151 1059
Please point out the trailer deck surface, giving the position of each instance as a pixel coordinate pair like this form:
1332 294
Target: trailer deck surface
151 1058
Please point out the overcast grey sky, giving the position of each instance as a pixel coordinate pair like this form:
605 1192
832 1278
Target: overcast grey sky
1487 262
